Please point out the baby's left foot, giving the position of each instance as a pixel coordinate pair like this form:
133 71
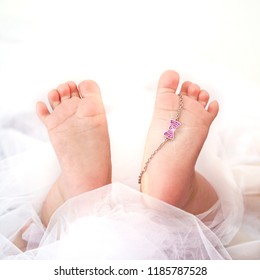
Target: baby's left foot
171 174
78 131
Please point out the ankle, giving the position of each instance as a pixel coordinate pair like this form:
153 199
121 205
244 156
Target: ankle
203 195
52 202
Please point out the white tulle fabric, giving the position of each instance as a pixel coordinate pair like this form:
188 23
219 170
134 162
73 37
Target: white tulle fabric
115 221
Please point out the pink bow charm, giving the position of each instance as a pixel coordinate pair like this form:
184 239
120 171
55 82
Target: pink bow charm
170 132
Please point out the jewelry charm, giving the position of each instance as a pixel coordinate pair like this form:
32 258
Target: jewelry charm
169 135
170 132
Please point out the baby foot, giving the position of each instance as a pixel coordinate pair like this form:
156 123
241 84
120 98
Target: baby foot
78 131
171 175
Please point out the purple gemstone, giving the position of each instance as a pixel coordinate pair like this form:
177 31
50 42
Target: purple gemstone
169 134
173 126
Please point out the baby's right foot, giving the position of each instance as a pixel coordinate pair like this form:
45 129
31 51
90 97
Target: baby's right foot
78 131
170 175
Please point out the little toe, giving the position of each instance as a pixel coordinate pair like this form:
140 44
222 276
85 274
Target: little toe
73 89
42 111
64 91
54 98
213 109
184 87
193 91
203 98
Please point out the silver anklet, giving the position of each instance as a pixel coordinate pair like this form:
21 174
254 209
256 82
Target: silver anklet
169 135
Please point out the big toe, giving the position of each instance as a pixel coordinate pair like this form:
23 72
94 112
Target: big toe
88 87
89 91
168 82
166 99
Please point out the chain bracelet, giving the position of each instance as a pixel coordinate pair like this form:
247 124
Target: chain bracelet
169 136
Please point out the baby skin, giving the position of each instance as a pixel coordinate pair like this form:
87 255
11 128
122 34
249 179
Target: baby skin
171 174
78 131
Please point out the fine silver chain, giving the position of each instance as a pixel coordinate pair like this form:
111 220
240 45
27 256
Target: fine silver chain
164 141
180 107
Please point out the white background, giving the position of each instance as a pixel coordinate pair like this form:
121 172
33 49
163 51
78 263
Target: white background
44 43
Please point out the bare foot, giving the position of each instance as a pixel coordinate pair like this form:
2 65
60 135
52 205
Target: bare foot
171 175
78 131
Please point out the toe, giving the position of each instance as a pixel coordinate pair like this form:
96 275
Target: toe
203 98
193 91
168 82
92 104
184 87
73 89
42 111
166 99
213 109
64 91
54 98
88 87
